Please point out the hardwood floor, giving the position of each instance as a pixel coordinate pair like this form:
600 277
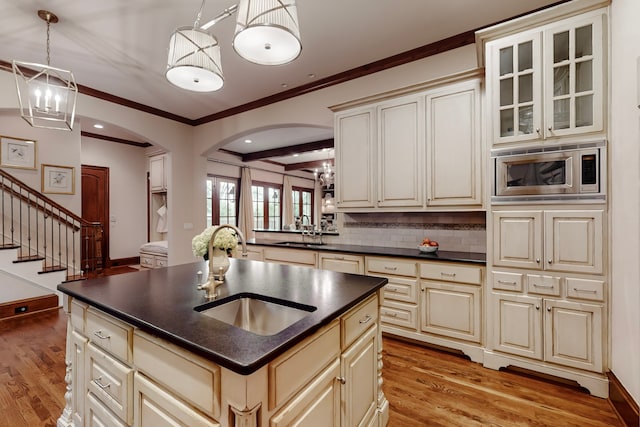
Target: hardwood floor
425 387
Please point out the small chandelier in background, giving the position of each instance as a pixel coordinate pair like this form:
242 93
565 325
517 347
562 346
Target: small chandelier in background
267 33
46 95
326 176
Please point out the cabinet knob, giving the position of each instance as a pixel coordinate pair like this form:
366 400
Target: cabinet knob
537 307
550 261
549 309
341 380
538 260
538 131
550 128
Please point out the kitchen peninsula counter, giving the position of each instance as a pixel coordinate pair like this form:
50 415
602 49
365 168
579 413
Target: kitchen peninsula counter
162 301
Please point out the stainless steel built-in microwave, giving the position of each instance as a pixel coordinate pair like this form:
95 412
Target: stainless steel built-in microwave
549 173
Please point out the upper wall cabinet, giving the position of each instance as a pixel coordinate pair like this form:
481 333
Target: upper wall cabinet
158 173
414 151
548 82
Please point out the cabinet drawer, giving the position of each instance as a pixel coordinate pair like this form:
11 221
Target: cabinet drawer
507 281
195 379
161 261
585 289
109 334
342 263
291 256
290 372
146 261
356 321
543 285
99 415
399 314
451 272
110 381
398 289
391 266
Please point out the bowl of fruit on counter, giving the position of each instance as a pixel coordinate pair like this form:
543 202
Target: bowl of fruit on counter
428 245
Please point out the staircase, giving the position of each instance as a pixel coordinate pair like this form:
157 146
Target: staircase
42 244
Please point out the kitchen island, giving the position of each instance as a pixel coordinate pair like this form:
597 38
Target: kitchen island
142 350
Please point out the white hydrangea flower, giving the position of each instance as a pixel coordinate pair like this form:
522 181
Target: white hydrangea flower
226 240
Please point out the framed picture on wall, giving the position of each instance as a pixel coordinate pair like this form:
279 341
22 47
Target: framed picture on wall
17 152
58 179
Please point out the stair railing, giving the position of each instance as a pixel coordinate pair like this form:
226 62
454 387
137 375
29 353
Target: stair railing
44 230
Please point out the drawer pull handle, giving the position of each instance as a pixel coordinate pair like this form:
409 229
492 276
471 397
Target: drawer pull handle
100 335
442 273
535 285
390 268
339 258
367 319
507 282
393 289
341 380
98 382
586 291
391 314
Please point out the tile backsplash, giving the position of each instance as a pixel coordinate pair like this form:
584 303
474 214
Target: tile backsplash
454 231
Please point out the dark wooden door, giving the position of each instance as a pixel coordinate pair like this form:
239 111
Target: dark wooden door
95 205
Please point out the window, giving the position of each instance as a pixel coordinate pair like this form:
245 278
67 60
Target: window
267 212
222 202
303 203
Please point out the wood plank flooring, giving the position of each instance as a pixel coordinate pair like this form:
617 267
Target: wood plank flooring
425 387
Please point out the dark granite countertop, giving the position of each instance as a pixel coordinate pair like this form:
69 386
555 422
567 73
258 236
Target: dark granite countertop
469 257
161 302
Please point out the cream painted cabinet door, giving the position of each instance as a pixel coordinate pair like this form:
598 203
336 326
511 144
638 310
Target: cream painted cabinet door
342 263
157 173
573 334
359 366
355 144
156 407
517 239
451 310
78 349
517 325
574 70
515 78
401 152
317 406
574 241
454 148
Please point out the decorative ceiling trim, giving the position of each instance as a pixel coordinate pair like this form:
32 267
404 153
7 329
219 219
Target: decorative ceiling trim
114 139
288 151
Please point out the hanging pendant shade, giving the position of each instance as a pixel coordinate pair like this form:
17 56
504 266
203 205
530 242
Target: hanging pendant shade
194 60
267 31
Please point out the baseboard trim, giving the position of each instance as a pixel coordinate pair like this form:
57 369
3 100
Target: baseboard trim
125 261
622 402
27 306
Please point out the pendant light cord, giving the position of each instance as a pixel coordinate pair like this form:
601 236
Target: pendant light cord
197 23
48 48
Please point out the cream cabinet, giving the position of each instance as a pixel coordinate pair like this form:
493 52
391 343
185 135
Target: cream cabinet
454 148
123 376
343 263
548 82
451 301
558 240
355 151
401 152
417 150
158 167
563 332
291 256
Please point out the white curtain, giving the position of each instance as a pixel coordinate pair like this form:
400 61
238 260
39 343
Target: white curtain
287 200
245 222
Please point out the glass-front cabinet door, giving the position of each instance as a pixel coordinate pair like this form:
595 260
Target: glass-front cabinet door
517 88
574 78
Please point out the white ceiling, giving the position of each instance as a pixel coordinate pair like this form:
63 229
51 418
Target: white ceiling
120 46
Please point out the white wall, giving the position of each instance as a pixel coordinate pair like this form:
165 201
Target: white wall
128 192
52 147
625 194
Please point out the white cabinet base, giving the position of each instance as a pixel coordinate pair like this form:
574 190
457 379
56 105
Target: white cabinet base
597 384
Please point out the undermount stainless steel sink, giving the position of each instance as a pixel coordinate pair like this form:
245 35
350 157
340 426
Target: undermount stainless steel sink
256 315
